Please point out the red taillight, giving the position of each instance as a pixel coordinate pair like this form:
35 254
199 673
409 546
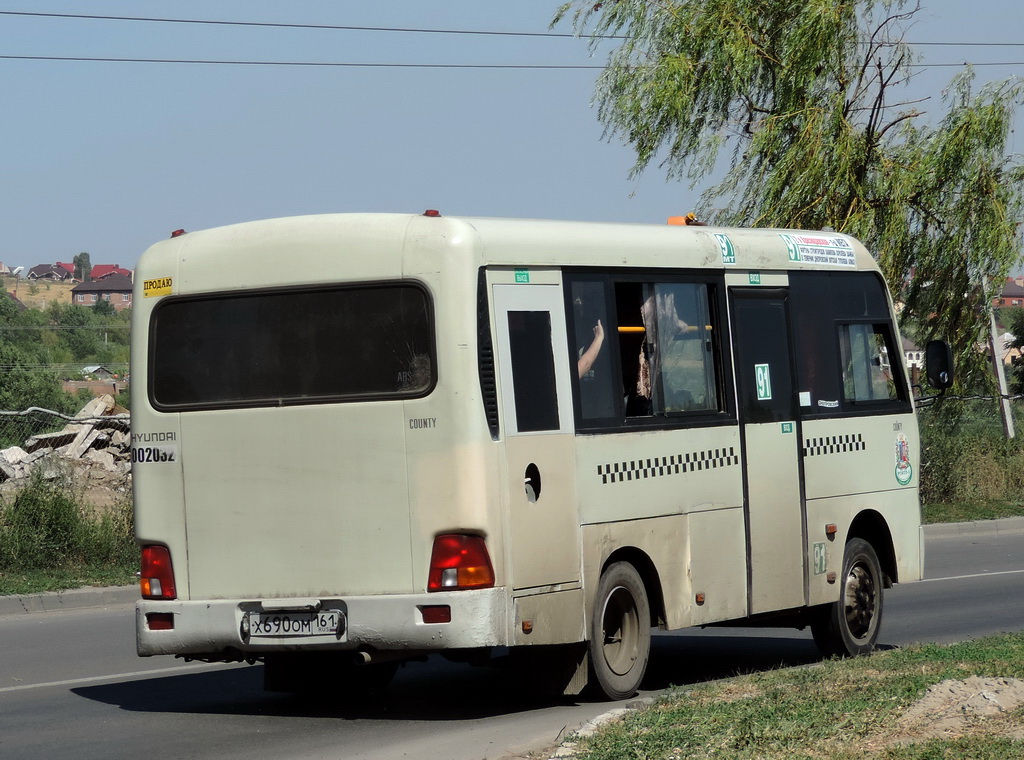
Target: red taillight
157 578
459 561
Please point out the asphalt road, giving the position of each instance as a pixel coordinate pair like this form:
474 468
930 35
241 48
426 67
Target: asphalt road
70 683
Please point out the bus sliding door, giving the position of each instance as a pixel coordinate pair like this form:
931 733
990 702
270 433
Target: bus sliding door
771 448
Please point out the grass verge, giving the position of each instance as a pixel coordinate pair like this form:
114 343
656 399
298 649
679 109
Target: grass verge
49 541
851 709
969 511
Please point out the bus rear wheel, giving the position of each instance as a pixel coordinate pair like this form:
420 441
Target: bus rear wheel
850 626
620 632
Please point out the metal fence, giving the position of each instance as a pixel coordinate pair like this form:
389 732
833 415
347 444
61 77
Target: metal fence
91 448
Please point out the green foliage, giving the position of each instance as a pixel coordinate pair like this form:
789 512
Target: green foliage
969 470
83 267
103 307
1013 319
800 102
844 709
40 349
44 527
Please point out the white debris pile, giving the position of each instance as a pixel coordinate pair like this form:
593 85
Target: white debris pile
97 439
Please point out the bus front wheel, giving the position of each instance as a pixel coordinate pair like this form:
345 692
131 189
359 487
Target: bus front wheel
620 632
850 626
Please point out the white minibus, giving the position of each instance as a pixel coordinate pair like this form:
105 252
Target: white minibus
364 438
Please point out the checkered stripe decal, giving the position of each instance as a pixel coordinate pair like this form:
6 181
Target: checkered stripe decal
834 444
638 469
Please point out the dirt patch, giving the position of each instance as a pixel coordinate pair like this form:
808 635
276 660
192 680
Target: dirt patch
959 708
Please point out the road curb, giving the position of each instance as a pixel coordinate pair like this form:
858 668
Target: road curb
1006 525
74 599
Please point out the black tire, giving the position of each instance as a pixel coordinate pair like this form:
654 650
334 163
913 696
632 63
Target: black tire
850 626
620 632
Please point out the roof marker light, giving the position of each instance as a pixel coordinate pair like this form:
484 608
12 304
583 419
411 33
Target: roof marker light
177 233
690 220
432 212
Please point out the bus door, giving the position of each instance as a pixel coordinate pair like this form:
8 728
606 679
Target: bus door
536 407
771 448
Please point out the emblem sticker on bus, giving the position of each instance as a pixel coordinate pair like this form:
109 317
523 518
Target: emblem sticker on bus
904 470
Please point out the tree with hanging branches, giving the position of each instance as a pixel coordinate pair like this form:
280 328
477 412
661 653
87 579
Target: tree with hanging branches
800 108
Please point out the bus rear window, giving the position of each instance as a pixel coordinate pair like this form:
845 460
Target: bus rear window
291 346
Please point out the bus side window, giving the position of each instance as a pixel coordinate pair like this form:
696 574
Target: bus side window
533 370
592 357
682 357
666 348
867 374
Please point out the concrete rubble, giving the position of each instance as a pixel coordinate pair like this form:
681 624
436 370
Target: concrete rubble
98 446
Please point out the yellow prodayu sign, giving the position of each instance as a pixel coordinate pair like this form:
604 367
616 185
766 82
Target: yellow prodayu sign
158 287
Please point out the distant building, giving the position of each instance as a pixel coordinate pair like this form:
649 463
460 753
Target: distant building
98 371
58 272
1012 293
115 288
101 271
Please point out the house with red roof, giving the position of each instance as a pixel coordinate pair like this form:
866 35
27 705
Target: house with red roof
100 271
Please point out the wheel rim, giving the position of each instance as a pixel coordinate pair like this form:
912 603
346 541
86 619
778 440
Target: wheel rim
620 626
860 601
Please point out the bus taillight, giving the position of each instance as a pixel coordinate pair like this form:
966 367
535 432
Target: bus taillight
157 578
458 562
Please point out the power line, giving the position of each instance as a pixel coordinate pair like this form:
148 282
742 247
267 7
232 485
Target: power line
330 64
410 30
407 30
65 327
277 25
356 65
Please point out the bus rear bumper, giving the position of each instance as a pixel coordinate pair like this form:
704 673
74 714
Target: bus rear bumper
225 628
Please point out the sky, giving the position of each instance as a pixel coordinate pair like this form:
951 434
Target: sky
110 157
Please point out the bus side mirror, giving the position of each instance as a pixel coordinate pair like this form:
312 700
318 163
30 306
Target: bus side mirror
938 362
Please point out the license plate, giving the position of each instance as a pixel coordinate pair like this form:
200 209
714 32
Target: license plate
284 624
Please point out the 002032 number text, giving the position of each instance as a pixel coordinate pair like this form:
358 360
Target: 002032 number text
147 454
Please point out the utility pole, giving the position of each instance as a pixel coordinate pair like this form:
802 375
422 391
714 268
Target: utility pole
996 351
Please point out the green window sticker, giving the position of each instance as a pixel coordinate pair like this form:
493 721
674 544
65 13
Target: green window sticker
763 379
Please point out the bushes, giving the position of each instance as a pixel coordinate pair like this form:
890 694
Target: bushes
966 458
43 526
